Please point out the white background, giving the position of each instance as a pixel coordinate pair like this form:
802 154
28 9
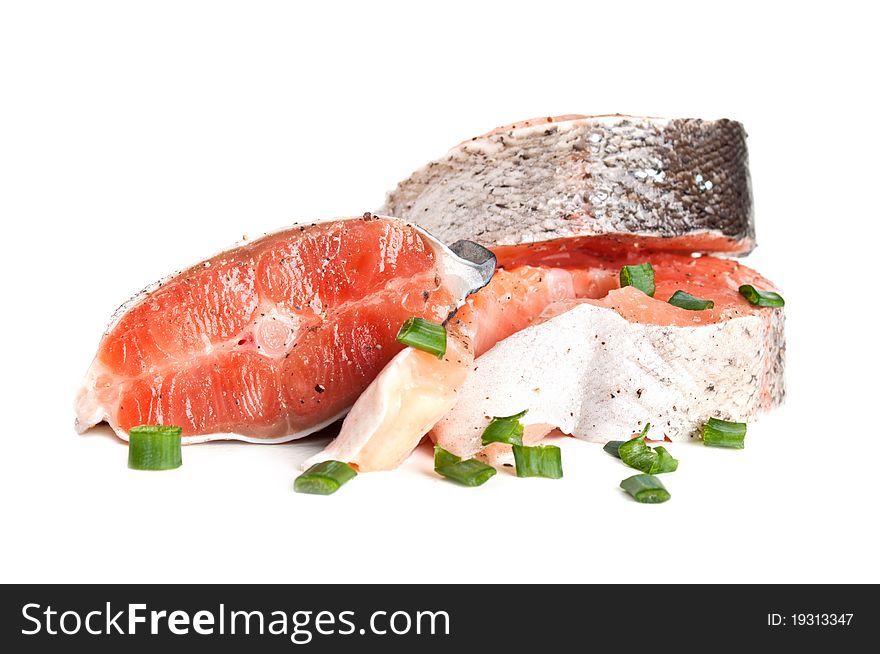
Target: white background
136 138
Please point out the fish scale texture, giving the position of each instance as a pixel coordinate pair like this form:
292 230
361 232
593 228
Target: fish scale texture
682 182
613 375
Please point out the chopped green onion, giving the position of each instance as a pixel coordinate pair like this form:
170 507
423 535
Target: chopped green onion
722 433
467 473
154 447
444 458
613 448
665 462
637 450
637 454
687 301
324 478
538 461
761 298
423 335
641 276
645 489
508 430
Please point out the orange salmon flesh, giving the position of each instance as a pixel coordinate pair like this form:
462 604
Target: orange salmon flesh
270 338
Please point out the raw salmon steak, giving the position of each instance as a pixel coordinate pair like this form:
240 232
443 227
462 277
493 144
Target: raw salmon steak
621 358
680 184
276 338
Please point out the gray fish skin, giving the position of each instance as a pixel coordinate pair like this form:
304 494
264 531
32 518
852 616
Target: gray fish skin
607 385
684 181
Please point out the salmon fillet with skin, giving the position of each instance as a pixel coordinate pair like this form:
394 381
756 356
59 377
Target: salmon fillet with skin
622 358
677 184
276 338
